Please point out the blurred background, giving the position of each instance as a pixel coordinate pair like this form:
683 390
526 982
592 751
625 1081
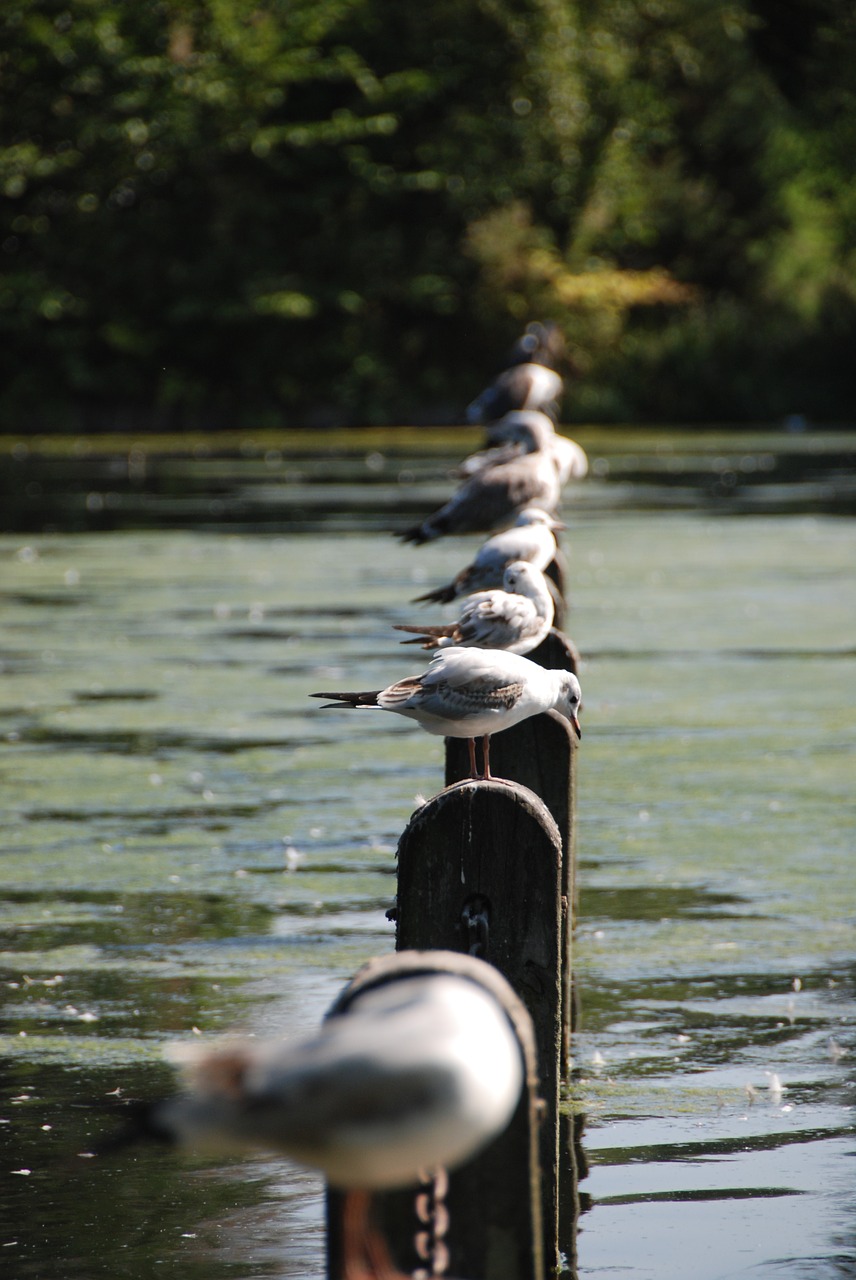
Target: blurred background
310 213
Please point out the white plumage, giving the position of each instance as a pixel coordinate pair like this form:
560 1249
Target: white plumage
532 537
510 432
473 693
524 386
516 618
524 474
416 1073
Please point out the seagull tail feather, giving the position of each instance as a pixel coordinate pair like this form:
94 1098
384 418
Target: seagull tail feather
447 629
440 595
349 699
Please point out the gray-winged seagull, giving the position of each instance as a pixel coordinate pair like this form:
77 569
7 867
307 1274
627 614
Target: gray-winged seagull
506 437
525 476
523 386
532 537
516 619
473 693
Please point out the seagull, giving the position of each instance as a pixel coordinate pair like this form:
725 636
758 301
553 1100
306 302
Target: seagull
495 495
529 385
412 1074
540 344
472 693
506 437
532 537
416 1073
515 619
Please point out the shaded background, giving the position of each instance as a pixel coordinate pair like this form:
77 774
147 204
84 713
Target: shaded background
315 213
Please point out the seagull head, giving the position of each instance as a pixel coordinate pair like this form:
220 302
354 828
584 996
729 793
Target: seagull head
569 703
521 578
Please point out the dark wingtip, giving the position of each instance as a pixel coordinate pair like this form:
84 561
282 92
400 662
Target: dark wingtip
363 699
441 595
340 700
416 535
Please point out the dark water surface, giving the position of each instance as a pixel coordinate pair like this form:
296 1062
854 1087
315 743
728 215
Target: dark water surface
190 846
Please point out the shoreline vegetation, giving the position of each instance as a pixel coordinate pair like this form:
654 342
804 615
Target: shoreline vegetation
315 215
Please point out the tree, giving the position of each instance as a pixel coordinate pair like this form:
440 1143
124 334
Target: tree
337 210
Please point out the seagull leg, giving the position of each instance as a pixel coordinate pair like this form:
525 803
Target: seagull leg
486 753
471 743
366 1256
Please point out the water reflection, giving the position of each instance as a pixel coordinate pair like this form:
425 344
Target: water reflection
384 476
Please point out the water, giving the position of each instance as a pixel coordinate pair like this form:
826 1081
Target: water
192 846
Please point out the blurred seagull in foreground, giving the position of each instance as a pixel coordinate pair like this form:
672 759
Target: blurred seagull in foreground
473 693
532 537
524 474
411 1075
418 1073
516 619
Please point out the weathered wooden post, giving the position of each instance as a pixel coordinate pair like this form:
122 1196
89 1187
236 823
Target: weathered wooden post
494 1220
479 871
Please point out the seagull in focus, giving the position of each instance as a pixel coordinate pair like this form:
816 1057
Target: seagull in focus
473 693
516 619
532 537
413 1074
524 474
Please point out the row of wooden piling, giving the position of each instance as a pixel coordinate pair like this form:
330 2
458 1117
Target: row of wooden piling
487 868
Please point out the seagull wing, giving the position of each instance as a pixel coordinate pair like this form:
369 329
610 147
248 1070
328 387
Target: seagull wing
498 621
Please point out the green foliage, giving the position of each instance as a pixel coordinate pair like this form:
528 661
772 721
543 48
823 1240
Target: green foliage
320 210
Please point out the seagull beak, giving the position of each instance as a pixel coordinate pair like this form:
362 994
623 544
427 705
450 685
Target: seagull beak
577 730
557 524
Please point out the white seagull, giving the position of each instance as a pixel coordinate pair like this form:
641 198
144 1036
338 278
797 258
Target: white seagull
516 619
472 693
532 537
525 475
416 1073
539 343
506 437
411 1075
523 386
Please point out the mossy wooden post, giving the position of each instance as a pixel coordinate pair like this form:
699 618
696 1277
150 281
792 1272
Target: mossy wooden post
494 1201
540 754
479 870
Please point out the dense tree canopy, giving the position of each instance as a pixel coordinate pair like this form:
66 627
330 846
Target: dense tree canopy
339 210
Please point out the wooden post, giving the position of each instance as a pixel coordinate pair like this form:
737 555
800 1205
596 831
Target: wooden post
557 573
479 870
540 754
494 1201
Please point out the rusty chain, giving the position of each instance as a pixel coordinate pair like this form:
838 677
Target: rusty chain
430 1241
